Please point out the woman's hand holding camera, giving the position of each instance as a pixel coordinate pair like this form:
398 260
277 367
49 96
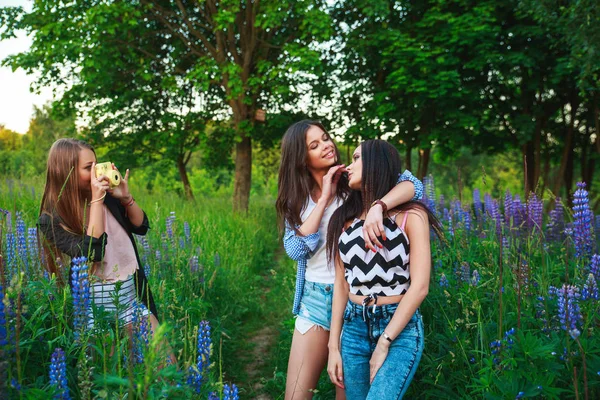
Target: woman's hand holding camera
121 192
98 185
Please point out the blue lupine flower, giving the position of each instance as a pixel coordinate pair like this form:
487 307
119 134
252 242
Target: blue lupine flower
520 395
230 392
534 213
496 345
518 211
158 255
213 396
147 270
196 375
81 296
194 266
146 247
582 226
58 374
505 247
3 335
448 217
32 244
181 243
140 331
22 241
429 197
464 272
491 207
508 207
509 337
556 222
187 232
477 204
466 217
475 278
10 255
444 281
569 313
217 259
169 224
590 289
595 266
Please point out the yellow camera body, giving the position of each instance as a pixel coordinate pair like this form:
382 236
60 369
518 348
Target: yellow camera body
106 169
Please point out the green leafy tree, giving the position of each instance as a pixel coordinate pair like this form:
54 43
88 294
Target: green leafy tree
145 68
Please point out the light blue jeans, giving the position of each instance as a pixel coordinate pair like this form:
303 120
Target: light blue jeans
359 339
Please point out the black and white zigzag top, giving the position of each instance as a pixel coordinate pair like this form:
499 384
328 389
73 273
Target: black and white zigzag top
386 272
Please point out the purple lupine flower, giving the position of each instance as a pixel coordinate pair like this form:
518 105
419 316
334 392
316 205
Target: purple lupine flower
508 207
213 396
158 255
518 211
194 266
187 232
82 302
32 244
444 281
217 260
429 198
10 256
569 313
466 217
3 335
169 224
146 247
556 222
230 392
534 213
196 375
22 241
520 395
595 266
464 272
477 204
140 331
448 218
492 209
582 226
475 278
496 346
147 270
58 374
181 243
590 288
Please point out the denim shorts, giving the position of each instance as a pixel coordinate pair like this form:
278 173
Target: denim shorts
359 338
315 306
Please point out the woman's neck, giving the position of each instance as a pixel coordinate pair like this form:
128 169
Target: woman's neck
317 176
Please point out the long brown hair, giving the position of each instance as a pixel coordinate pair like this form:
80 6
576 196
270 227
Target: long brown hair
62 196
295 180
381 166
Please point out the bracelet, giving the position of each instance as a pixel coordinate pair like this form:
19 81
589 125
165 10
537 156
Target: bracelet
128 203
97 200
386 337
382 204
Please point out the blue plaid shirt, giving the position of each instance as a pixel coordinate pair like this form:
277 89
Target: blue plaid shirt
301 248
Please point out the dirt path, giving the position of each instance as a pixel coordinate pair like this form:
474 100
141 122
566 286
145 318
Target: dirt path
263 340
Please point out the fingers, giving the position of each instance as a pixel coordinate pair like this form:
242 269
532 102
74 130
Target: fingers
93 174
127 174
336 376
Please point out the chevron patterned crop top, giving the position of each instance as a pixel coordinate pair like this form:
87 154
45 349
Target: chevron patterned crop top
386 272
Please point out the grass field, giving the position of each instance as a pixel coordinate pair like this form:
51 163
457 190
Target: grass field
512 311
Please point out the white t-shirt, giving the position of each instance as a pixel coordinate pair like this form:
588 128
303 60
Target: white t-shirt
317 269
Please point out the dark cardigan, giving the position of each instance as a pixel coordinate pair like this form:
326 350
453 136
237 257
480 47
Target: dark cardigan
93 248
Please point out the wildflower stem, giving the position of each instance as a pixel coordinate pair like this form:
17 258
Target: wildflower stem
585 382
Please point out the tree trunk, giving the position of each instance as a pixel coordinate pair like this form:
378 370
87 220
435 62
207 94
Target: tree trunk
568 178
529 168
566 154
243 174
423 162
184 178
408 158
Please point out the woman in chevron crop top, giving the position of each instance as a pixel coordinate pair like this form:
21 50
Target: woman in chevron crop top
312 184
377 294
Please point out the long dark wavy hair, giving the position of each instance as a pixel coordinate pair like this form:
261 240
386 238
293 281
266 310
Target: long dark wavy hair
381 166
295 180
